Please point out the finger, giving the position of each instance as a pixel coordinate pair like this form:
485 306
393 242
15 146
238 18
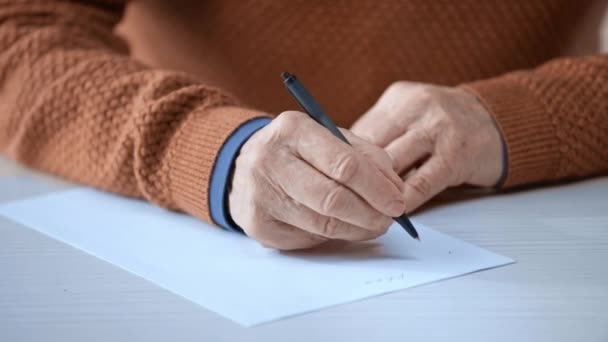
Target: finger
372 127
430 179
307 186
302 217
283 236
345 165
409 148
398 107
377 155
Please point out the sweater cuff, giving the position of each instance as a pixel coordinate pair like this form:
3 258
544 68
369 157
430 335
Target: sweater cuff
193 152
221 175
526 128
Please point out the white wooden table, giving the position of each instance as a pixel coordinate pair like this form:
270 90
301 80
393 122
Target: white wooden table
557 290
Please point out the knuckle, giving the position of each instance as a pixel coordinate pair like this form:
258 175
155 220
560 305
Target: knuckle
421 185
397 86
284 127
345 167
425 93
425 100
440 119
288 121
333 200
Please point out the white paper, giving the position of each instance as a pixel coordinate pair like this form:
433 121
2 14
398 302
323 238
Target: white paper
232 275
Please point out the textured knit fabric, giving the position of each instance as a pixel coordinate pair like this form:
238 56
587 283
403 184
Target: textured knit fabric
74 103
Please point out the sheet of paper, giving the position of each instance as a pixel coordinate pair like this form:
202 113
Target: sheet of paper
232 275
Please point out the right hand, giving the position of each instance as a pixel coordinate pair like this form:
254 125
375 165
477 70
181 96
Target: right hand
295 186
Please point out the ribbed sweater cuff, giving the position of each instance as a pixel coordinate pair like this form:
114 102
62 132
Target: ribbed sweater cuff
526 127
193 153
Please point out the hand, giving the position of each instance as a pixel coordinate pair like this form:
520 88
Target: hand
437 137
295 186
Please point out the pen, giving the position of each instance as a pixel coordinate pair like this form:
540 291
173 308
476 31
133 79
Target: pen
314 110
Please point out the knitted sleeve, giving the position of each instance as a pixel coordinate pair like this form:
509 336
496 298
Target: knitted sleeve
73 103
554 119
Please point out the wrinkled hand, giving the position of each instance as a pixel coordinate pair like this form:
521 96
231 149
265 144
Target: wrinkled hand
295 186
437 137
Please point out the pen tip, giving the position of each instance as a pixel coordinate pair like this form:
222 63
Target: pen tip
286 75
417 238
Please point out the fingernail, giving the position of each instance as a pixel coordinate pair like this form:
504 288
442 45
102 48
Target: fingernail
396 208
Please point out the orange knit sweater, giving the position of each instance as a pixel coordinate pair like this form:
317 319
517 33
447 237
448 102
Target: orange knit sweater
73 101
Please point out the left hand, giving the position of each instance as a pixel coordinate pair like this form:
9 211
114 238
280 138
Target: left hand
437 137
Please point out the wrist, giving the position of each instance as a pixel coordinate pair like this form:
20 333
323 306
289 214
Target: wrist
492 155
221 179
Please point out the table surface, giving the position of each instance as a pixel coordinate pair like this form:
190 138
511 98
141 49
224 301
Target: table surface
557 290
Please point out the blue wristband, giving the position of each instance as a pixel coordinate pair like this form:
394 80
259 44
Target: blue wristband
221 174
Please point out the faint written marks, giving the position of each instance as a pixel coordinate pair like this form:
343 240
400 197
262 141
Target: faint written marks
386 279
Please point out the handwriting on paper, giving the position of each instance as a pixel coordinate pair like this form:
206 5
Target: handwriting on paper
386 279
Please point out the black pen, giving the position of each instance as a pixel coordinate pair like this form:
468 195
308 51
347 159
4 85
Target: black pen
314 110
